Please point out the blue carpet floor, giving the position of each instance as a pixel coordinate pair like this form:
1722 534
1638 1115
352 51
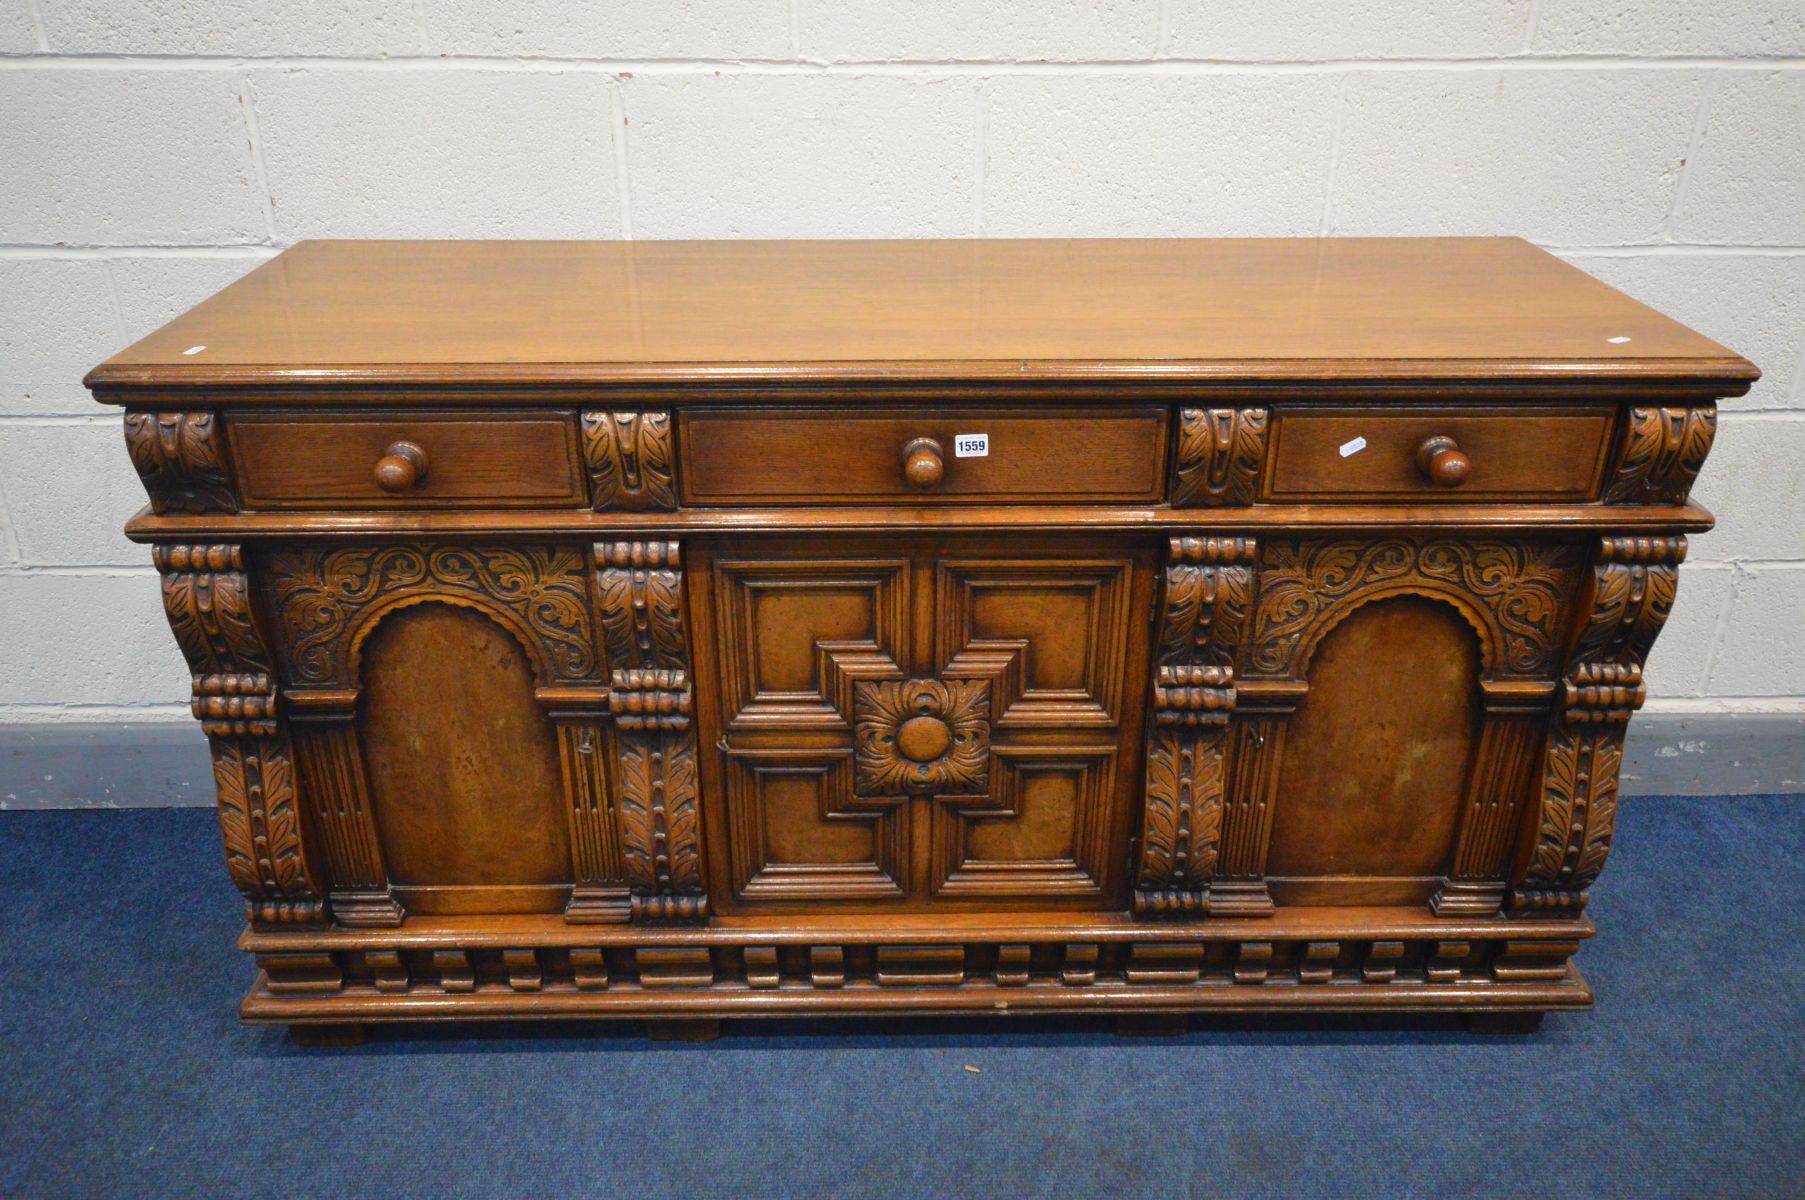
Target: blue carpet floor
124 1073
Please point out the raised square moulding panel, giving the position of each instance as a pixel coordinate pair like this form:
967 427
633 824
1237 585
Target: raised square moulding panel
982 689
1051 635
795 636
800 833
1044 829
856 455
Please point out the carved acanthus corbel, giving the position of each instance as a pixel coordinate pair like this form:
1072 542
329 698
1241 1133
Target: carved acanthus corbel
180 457
1208 585
651 704
206 595
629 459
1633 586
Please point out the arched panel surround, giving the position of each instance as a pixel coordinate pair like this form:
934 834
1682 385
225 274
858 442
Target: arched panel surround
327 602
1512 593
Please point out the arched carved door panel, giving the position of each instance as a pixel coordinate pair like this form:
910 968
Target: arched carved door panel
463 767
449 711
1377 757
1248 631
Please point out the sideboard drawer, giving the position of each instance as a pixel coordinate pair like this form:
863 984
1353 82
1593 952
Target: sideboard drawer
294 461
1441 454
881 456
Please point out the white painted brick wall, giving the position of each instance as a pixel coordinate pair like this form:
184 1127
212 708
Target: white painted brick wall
119 156
1746 27
610 29
960 30
748 156
1557 156
442 153
152 151
1121 155
18 33
1304 30
249 27
1747 184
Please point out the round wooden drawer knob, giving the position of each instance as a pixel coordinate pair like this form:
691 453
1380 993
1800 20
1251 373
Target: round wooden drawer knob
924 463
1442 462
401 467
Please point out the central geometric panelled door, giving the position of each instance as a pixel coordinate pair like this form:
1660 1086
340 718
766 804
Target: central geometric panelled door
915 724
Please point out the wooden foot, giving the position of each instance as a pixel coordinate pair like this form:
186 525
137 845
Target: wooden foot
1151 1024
348 1034
684 1029
1502 1022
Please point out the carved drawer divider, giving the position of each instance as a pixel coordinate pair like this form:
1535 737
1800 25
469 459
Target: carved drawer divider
1633 587
180 459
1511 592
628 454
640 593
1219 457
1208 583
206 594
327 602
1661 453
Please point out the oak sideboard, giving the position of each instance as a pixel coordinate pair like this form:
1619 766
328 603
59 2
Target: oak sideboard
685 630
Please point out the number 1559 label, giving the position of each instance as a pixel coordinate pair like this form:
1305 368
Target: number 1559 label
971 445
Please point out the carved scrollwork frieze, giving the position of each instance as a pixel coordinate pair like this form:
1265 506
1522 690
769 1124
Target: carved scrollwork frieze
328 601
180 458
629 459
1633 588
1511 592
1220 454
1660 455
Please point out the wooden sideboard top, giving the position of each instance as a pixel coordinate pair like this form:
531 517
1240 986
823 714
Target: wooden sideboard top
523 314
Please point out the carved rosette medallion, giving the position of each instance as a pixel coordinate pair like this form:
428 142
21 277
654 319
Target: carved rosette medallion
921 737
